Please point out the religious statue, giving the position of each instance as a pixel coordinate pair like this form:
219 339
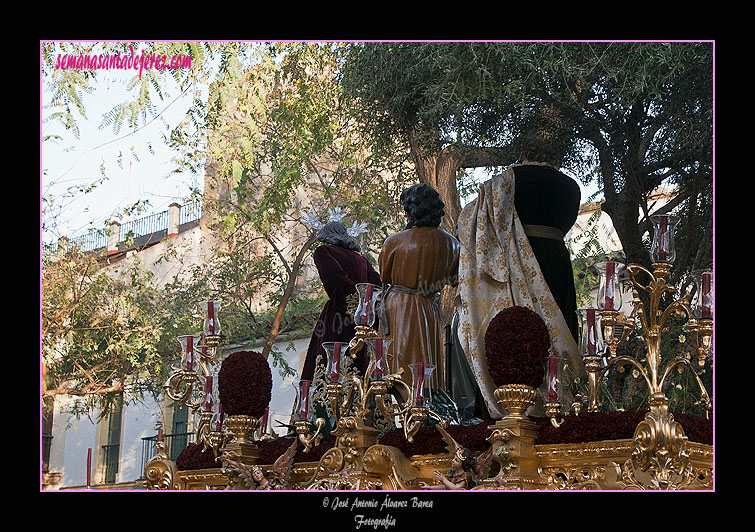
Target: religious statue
254 477
340 267
499 267
466 471
415 264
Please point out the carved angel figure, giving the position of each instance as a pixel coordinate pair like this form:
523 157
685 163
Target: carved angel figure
466 470
277 478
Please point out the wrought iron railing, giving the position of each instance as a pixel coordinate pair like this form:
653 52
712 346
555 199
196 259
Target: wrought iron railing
144 226
154 223
112 456
175 443
190 212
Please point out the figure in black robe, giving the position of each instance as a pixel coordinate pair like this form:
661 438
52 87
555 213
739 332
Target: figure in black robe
547 203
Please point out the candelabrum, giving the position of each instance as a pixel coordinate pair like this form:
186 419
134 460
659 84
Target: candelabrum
552 406
659 439
192 383
186 383
355 401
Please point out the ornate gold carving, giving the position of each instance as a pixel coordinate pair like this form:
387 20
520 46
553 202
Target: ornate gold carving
516 398
160 472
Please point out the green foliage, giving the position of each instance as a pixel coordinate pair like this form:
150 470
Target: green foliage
103 333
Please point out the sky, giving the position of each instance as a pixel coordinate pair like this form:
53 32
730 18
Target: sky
136 163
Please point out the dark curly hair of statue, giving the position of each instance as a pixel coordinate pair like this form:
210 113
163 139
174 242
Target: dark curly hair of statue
423 205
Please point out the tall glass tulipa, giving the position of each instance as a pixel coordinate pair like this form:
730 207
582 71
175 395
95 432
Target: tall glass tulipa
211 325
421 384
336 351
304 392
609 291
365 313
702 304
189 355
663 249
378 351
591 338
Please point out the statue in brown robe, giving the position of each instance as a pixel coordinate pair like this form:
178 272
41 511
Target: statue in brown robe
415 264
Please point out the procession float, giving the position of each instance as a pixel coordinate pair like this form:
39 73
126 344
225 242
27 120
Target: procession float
386 430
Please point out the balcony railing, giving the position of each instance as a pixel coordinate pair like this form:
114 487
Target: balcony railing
112 455
175 443
141 227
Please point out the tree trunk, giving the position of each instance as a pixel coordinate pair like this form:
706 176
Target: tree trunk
289 290
440 169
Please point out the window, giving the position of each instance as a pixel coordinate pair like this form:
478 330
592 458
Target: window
112 449
180 436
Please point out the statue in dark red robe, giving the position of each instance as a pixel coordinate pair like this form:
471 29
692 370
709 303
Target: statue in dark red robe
340 267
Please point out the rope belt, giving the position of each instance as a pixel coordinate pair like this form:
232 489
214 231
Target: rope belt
434 297
543 231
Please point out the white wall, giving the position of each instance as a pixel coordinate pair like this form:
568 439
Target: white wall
72 437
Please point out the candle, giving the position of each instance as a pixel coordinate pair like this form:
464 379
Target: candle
367 303
211 316
263 423
420 382
552 378
591 332
303 399
189 352
208 395
159 434
335 367
219 419
379 356
610 279
89 467
706 299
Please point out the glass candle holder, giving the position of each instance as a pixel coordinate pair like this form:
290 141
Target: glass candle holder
264 422
421 384
365 312
304 410
591 335
609 291
663 249
702 303
188 352
211 326
208 394
378 351
553 368
217 419
335 354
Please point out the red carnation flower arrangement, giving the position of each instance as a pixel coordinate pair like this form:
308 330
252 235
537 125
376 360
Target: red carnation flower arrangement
194 457
516 346
245 383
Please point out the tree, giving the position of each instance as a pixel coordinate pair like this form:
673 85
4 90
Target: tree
633 116
279 142
102 334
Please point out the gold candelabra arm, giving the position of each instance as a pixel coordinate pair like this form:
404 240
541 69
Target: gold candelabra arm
678 308
303 430
180 387
553 411
412 420
334 394
682 362
701 332
357 343
609 319
203 429
595 372
656 288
